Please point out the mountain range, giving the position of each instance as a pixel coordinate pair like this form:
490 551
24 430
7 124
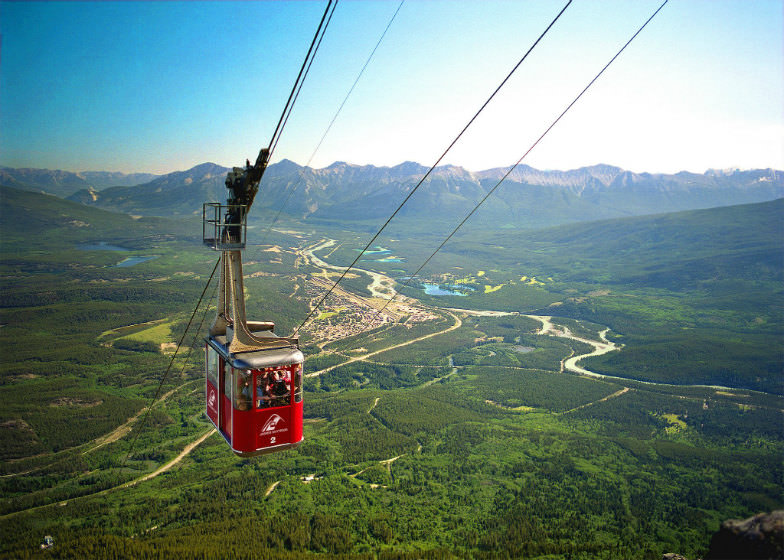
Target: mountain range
64 183
527 197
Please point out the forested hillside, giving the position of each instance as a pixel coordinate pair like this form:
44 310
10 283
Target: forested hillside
460 435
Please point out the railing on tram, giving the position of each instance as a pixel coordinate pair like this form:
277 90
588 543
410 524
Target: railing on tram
224 226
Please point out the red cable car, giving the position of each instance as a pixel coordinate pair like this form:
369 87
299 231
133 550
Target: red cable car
255 398
253 386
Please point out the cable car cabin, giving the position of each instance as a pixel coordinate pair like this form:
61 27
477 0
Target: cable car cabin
254 398
254 378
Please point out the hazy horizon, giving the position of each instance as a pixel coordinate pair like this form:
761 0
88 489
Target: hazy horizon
159 86
229 166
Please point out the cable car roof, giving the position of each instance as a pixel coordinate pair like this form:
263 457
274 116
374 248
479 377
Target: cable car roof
260 358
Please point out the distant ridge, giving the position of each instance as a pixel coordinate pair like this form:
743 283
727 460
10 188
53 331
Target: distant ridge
64 183
529 198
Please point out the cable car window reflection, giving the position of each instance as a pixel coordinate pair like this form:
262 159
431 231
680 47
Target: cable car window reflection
298 383
212 366
242 396
227 380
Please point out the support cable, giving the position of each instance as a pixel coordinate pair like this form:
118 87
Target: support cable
329 127
303 72
171 363
498 184
426 175
198 330
304 69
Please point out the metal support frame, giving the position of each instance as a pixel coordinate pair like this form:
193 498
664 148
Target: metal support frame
231 319
224 226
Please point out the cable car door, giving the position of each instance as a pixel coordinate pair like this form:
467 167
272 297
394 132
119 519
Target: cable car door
225 400
212 389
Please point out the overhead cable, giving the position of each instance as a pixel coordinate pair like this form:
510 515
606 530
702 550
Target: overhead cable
303 72
198 330
171 362
426 175
498 184
329 127
314 46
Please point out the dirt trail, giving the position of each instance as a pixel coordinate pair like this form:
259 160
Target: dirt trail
120 431
386 462
607 398
124 429
450 374
188 448
271 488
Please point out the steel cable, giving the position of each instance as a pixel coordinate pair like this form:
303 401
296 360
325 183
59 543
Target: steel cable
171 362
329 127
303 72
498 184
426 175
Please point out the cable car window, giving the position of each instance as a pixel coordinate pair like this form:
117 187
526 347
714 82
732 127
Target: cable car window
242 395
212 366
280 387
298 383
263 397
227 380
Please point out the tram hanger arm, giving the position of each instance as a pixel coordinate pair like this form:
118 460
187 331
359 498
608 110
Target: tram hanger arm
243 184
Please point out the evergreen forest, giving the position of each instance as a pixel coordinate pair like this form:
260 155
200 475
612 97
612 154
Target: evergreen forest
457 428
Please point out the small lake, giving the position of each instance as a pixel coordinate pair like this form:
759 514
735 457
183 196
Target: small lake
375 250
130 261
101 246
385 260
104 246
443 289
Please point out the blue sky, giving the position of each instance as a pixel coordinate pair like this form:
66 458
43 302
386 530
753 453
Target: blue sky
162 86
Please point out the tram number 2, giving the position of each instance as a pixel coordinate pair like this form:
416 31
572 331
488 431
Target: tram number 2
272 439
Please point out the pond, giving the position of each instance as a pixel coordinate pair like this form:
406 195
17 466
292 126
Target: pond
378 250
443 289
130 261
104 246
375 250
101 246
386 260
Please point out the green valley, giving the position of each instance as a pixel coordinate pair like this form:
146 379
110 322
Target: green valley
454 428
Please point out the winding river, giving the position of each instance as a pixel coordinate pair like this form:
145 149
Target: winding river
600 347
378 282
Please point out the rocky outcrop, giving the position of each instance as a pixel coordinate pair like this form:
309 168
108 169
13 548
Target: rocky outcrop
758 537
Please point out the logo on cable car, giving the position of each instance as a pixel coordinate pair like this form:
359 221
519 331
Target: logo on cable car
274 425
211 399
